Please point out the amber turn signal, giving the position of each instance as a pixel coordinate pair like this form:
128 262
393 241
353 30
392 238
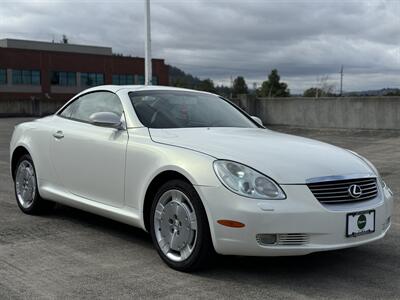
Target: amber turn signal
231 223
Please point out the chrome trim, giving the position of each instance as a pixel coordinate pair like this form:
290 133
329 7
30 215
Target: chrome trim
355 191
339 191
340 177
293 239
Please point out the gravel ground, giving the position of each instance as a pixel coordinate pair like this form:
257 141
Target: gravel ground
73 254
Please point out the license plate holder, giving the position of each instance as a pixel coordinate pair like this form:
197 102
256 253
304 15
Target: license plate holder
360 223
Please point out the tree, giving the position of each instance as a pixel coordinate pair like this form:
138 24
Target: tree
223 90
312 92
64 39
239 86
318 92
324 88
179 78
206 85
181 82
394 92
273 87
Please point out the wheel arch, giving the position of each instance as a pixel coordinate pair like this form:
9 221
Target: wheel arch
16 155
152 189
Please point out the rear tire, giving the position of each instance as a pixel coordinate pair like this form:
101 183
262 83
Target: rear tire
179 227
26 188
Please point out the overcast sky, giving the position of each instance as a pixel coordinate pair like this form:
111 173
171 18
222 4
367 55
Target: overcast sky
304 40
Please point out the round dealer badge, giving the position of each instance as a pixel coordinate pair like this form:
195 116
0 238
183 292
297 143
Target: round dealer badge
361 221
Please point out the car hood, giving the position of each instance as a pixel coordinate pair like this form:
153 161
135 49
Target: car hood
286 158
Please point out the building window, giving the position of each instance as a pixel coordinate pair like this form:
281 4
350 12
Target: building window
3 76
27 77
121 79
63 78
140 80
92 79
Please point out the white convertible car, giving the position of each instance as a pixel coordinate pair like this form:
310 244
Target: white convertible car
199 174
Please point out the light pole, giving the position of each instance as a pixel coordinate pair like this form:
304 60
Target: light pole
341 81
147 45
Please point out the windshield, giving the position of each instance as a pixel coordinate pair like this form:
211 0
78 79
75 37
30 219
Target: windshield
181 109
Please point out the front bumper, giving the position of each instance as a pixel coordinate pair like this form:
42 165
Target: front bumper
300 214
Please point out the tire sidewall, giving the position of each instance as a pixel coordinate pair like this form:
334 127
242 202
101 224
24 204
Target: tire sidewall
202 242
36 199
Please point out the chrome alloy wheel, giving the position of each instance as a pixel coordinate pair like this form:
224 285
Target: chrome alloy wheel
25 184
175 225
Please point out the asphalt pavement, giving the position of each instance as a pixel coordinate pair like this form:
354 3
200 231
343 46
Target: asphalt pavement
74 254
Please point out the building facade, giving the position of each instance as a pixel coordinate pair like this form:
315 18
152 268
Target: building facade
41 70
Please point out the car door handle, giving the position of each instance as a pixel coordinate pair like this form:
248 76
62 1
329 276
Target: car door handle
58 134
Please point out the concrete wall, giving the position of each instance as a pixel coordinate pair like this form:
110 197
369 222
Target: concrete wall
341 112
345 112
25 108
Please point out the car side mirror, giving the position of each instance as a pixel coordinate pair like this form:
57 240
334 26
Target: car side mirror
106 119
258 120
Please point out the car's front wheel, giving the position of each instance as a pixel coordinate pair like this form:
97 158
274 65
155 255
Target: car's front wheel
179 227
26 189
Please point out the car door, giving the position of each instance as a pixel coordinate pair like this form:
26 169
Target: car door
90 160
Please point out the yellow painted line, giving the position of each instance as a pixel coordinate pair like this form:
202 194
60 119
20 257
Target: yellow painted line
397 224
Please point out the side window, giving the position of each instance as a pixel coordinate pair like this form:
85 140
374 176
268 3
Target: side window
82 108
66 113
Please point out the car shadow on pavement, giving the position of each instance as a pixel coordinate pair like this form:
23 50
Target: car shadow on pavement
313 275
101 224
302 264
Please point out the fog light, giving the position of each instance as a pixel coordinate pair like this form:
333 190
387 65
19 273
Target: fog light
266 239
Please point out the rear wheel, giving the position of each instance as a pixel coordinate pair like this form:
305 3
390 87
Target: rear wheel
26 190
179 227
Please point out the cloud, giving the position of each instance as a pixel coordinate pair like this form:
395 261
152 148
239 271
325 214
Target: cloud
219 39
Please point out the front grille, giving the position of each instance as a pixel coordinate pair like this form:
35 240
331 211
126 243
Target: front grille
339 191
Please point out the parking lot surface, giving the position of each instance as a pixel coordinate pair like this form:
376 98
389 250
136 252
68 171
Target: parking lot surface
74 254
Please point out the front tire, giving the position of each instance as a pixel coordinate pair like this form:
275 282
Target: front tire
179 227
26 188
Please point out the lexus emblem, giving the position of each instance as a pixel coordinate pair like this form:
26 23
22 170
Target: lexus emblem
355 191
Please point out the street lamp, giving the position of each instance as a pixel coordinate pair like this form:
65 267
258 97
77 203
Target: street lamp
147 46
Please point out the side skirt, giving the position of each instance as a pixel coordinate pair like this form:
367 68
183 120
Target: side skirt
125 215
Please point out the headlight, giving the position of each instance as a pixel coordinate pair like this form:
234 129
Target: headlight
247 182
